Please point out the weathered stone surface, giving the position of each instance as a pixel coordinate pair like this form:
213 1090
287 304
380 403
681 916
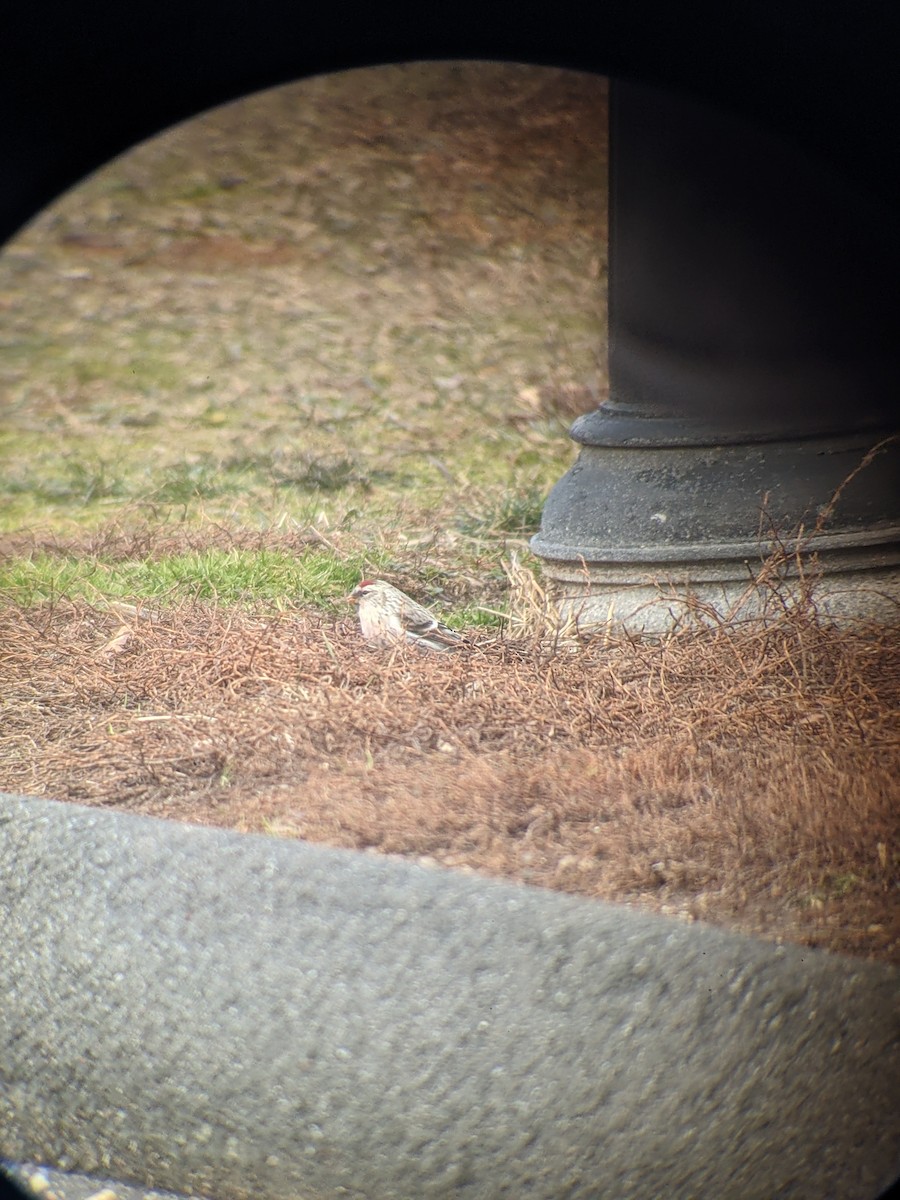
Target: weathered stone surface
242 1016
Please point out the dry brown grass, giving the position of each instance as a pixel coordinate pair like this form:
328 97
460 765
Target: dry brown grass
746 776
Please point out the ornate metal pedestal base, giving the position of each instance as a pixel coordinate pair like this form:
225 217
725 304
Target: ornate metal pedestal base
648 537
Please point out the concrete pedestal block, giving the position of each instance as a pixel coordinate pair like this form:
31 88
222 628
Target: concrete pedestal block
658 598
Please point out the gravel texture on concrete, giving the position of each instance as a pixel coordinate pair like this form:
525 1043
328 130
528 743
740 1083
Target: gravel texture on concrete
239 1016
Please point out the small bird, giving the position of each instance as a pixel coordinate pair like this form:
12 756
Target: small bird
388 617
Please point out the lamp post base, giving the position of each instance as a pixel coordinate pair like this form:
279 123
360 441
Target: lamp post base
657 598
649 537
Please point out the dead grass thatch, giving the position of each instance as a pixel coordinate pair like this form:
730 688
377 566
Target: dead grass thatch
745 776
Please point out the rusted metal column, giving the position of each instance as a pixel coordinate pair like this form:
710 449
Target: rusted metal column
754 364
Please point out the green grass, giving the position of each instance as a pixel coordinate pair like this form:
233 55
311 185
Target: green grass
516 512
473 616
51 481
368 382
318 578
74 481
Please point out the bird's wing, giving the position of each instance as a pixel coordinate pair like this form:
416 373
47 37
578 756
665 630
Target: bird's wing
428 628
445 631
419 623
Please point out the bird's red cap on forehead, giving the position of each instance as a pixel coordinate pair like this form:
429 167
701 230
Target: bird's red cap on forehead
361 589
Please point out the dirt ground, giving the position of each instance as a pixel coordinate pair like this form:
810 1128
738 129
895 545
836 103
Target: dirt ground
200 311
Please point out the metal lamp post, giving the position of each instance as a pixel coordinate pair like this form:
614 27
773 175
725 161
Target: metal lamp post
754 370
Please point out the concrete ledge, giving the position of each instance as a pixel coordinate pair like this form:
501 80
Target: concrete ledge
655 598
241 1016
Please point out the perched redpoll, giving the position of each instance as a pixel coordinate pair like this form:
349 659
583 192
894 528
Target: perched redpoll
388 616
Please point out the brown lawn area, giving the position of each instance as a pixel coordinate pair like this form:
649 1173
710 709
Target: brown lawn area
745 777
